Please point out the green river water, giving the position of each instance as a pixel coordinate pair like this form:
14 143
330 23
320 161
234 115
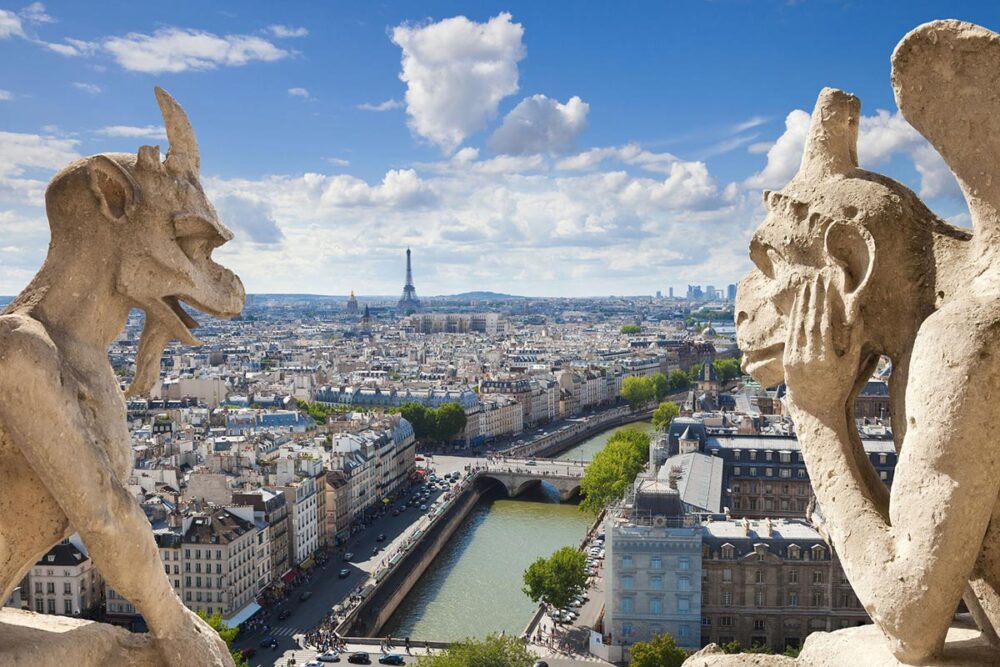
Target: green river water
474 585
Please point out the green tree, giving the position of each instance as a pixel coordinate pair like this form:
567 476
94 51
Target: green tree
660 651
638 391
422 422
727 369
449 420
694 372
227 633
630 329
664 414
661 386
494 651
558 579
679 381
613 469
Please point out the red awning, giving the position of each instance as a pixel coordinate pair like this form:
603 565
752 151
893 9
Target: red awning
288 577
420 472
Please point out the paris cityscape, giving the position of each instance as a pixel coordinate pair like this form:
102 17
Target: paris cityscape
448 311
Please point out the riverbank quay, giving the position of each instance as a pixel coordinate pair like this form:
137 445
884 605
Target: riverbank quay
382 593
552 444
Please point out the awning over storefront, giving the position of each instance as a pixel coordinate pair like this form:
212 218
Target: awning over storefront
242 615
289 577
307 563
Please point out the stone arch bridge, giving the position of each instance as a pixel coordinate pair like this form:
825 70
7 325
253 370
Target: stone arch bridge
520 475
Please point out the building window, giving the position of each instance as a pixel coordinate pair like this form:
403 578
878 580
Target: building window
627 562
817 576
727 598
68 607
758 624
67 588
725 621
656 583
817 599
784 472
38 588
626 630
736 471
627 581
706 620
684 631
627 605
758 576
50 588
727 551
683 584
793 599
753 454
50 605
684 605
40 606
683 563
727 575
753 472
656 606
656 563
758 598
793 576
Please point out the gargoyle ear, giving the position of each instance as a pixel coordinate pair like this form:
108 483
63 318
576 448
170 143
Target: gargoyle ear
850 247
114 187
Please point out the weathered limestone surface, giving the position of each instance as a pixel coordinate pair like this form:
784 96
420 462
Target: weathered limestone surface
852 266
128 231
30 640
856 647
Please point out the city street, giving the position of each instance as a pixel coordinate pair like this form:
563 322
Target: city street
327 588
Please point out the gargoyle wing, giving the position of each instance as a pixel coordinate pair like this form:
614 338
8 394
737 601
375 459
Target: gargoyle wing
946 76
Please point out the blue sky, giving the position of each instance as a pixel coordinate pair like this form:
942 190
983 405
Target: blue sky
540 148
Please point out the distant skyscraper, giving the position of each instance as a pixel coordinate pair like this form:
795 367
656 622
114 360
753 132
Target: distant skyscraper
731 293
671 292
409 302
659 294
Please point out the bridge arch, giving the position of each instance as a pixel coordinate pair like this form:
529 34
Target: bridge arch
487 483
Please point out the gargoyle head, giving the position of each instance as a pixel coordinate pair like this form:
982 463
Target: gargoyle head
865 236
161 230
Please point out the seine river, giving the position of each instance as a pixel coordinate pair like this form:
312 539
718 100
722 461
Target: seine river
474 586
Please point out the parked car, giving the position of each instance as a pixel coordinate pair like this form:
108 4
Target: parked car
314 663
381 537
348 556
541 663
391 659
531 463
344 574
359 658
305 596
284 613
329 656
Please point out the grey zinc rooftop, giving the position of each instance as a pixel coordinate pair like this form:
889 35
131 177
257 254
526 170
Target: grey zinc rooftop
699 481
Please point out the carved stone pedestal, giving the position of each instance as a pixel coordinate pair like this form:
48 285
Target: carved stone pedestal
862 646
37 640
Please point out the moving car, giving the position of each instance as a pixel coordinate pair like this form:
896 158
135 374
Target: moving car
344 574
381 537
329 656
269 642
284 613
391 659
348 556
423 508
359 658
305 596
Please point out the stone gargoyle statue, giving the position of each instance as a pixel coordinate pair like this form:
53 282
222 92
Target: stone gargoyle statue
128 231
851 265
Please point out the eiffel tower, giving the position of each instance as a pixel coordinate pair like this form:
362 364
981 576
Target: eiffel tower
409 303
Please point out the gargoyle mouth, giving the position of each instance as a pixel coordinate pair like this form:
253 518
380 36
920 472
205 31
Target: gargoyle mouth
754 359
174 303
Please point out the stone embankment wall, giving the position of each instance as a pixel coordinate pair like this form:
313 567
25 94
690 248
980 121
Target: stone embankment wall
369 617
558 442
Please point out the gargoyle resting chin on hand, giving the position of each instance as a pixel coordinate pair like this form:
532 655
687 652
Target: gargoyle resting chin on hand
850 266
128 231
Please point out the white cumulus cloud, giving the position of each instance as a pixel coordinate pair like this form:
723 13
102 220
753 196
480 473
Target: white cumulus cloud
10 25
285 31
173 49
90 88
299 92
539 124
456 73
784 157
388 105
151 131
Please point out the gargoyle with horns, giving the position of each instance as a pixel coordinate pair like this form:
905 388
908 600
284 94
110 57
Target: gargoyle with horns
128 231
850 265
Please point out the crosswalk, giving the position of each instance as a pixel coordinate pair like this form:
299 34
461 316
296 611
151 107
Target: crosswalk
286 631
